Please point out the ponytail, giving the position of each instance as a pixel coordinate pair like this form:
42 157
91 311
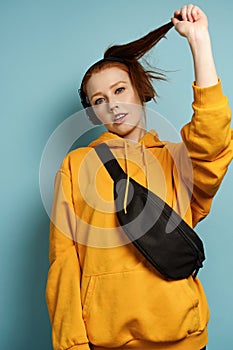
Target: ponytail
136 49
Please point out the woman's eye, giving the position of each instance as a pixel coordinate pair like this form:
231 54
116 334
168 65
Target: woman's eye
119 90
99 101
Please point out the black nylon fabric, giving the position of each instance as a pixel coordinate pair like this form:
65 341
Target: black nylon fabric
158 232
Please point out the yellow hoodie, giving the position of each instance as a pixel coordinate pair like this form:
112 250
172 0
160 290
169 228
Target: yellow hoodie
100 290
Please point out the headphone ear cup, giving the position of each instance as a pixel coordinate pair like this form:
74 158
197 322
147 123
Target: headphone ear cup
88 109
92 116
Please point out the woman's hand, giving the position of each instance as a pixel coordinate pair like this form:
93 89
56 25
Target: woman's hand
190 22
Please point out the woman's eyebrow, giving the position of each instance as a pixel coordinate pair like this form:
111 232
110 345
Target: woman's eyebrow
118 82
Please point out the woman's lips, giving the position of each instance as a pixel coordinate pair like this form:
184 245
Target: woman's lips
119 118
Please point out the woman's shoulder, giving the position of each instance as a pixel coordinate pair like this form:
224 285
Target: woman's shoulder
78 152
75 157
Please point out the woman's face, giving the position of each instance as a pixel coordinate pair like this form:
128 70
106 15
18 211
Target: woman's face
116 103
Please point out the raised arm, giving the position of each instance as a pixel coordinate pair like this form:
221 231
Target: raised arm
191 22
208 136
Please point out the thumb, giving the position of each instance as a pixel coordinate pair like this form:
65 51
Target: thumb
174 21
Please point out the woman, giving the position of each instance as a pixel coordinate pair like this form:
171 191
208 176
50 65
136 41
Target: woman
101 292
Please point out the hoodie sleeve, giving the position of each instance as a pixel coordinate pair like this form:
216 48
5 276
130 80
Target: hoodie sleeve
208 139
63 284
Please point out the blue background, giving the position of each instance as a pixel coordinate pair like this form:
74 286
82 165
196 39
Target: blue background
45 48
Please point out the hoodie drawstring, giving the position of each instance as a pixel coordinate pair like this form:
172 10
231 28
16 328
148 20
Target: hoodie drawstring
127 172
143 148
127 180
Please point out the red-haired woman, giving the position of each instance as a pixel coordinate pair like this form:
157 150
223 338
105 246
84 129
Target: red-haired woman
102 293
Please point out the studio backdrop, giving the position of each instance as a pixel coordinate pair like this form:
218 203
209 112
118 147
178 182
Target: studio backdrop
46 46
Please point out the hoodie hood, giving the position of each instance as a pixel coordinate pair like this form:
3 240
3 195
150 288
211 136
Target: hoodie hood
131 152
150 139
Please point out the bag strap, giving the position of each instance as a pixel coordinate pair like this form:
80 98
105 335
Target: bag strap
109 161
115 171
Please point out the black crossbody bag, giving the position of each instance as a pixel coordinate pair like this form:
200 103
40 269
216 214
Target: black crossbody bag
158 232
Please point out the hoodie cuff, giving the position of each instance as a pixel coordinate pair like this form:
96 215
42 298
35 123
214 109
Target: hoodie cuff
208 96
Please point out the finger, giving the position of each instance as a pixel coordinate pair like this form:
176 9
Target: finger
195 13
176 13
177 17
189 12
183 13
174 21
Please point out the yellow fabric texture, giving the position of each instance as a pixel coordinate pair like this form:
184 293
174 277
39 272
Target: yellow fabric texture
100 290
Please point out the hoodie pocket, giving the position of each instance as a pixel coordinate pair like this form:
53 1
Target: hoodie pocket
123 306
88 286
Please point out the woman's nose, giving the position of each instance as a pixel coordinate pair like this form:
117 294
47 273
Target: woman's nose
113 105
